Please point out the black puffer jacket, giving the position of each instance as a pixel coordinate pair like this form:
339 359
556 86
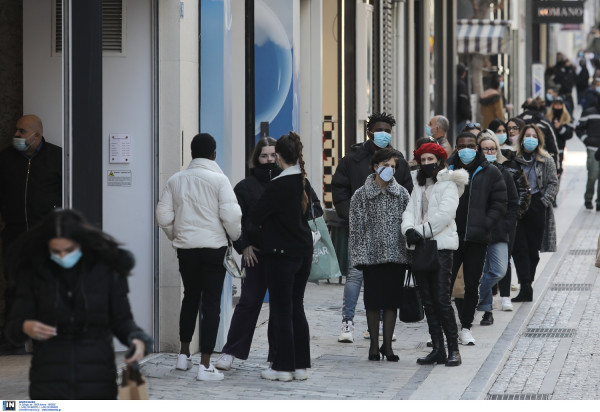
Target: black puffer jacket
87 304
352 172
507 224
483 203
520 179
29 188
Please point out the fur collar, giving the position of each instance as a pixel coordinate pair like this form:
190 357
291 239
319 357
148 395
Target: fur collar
372 189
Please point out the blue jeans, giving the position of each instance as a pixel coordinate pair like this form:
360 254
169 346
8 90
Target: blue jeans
494 269
354 280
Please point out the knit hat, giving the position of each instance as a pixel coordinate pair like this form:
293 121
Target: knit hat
433 148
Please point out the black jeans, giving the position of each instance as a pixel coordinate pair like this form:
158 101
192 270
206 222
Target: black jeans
289 334
245 315
472 256
528 242
202 273
435 293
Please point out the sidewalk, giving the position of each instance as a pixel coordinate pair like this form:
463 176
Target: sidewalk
546 349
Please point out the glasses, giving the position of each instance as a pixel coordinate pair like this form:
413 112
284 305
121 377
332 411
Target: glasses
488 149
473 126
512 128
466 146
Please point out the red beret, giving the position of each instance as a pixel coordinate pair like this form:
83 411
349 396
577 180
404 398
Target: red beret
434 148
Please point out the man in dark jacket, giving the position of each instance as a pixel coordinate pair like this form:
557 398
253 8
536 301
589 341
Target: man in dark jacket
480 208
351 174
588 130
463 101
30 186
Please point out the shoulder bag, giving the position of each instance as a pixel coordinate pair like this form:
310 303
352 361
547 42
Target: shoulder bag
425 256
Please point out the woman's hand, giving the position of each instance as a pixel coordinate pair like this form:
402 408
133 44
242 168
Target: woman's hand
249 257
413 237
138 354
38 330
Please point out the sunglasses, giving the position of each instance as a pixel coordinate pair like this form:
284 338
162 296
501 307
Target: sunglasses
473 126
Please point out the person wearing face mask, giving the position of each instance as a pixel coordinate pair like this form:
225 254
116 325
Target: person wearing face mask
71 299
263 169
588 130
437 128
430 213
480 207
497 255
30 188
532 115
514 125
560 119
378 247
536 231
349 175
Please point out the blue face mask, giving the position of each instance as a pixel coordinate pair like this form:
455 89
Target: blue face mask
69 260
385 173
501 138
467 155
490 158
381 139
549 97
428 130
530 143
20 143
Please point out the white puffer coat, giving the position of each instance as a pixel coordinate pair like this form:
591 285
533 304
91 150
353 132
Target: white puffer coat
441 211
198 206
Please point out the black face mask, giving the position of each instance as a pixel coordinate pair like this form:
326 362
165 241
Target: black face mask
267 166
428 170
557 113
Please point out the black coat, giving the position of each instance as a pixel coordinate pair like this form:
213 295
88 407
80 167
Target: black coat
520 179
588 127
508 223
484 201
352 172
29 188
250 190
87 304
278 225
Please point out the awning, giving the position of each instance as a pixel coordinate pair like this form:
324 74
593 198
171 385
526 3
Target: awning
483 36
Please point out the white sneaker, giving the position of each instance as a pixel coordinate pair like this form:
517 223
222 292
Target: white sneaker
367 335
300 374
507 305
209 374
347 334
465 337
381 333
274 375
514 286
224 362
183 362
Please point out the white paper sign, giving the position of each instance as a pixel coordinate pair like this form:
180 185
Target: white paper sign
120 148
119 178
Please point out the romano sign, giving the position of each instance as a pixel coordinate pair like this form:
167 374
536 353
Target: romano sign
558 11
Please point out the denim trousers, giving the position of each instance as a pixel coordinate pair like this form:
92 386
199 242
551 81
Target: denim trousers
289 332
593 169
354 280
494 269
202 273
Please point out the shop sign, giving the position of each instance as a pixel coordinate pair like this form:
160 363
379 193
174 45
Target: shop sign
558 11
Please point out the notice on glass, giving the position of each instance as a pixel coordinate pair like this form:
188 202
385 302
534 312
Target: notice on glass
119 178
120 148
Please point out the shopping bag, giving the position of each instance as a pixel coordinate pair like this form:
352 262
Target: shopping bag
133 385
458 291
231 265
324 264
411 307
598 252
425 256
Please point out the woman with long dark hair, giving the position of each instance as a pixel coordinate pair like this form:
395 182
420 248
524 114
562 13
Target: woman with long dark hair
70 299
430 213
280 230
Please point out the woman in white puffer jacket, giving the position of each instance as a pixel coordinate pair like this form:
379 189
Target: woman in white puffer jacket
430 213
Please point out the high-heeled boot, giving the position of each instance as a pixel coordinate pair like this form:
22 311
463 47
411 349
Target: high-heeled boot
454 358
525 294
437 355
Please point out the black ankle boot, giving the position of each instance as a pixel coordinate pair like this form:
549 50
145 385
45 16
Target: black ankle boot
525 294
453 358
437 355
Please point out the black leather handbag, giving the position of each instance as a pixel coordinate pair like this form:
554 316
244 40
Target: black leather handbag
425 255
411 307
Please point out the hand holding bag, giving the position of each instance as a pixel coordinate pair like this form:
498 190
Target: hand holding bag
133 386
231 264
411 307
425 256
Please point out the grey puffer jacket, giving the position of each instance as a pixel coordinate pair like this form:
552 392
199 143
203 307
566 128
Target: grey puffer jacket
375 224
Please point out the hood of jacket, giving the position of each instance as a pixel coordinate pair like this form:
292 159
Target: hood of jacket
459 177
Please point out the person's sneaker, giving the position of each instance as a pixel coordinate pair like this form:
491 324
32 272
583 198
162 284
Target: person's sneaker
347 334
588 205
465 337
487 320
381 333
183 362
274 375
514 286
367 335
300 374
209 374
507 305
224 362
